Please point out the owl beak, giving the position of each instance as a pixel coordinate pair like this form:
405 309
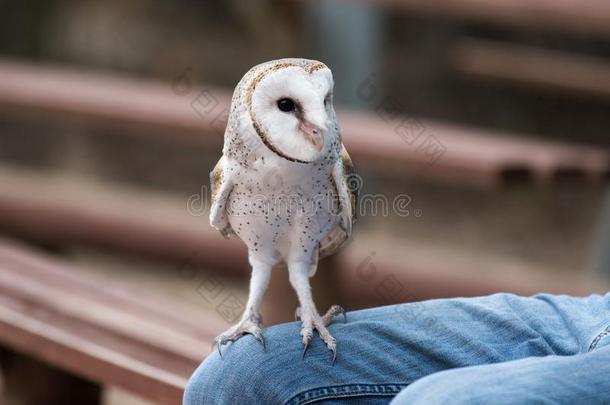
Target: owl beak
313 134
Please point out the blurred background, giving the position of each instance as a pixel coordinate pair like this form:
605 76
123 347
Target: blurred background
479 132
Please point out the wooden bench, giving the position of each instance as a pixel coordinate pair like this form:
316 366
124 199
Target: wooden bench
94 328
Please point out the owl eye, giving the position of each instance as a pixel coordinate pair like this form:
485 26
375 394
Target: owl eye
286 105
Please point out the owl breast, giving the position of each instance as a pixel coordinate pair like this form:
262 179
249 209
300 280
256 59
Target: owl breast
282 214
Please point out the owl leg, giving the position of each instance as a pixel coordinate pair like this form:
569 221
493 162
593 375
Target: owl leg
310 318
251 320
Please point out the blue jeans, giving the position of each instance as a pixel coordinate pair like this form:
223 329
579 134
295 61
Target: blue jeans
501 349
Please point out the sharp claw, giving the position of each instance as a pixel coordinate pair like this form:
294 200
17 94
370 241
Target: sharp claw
306 345
260 338
217 343
305 350
306 331
250 325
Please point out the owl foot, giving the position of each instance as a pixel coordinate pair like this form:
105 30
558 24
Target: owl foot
250 325
311 320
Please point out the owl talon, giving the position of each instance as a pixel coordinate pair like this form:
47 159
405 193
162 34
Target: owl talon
219 341
249 326
311 320
259 336
332 312
307 334
305 347
217 346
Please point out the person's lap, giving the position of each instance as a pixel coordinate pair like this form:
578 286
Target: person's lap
383 350
578 379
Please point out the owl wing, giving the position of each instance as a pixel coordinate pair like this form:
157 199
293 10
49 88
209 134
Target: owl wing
348 200
221 187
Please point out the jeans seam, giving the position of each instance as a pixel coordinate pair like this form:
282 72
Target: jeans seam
599 337
348 390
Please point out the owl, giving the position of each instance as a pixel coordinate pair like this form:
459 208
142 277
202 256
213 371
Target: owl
281 186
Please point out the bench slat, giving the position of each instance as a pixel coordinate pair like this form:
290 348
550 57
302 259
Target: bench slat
42 340
56 274
533 67
157 337
580 17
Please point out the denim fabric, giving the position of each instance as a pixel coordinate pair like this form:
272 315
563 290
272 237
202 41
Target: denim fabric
496 349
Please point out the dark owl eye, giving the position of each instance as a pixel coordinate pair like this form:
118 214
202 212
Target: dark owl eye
285 104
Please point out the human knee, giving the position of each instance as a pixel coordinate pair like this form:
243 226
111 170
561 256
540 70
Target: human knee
241 375
218 378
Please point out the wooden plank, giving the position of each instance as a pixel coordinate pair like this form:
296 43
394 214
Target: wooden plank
578 17
441 151
106 99
72 222
473 156
533 68
45 271
42 340
157 337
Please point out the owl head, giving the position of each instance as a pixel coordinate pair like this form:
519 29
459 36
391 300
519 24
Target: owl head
289 104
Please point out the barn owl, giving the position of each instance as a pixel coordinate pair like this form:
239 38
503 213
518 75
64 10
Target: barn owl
281 186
